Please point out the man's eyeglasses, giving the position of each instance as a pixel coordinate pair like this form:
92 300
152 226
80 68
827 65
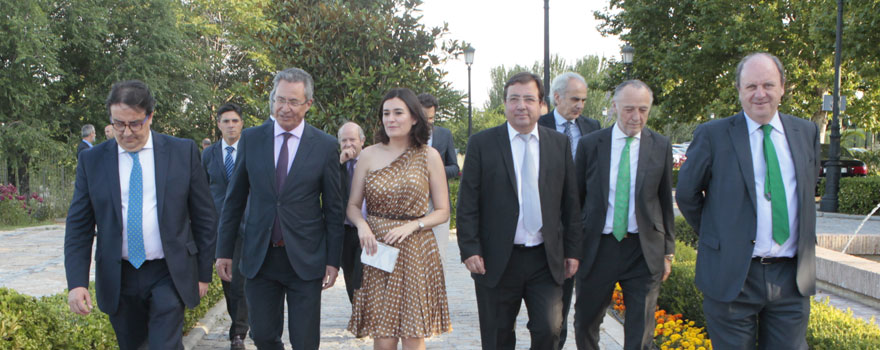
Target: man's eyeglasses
120 126
290 103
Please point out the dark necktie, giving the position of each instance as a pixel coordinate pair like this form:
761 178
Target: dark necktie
774 190
351 164
569 131
280 175
228 162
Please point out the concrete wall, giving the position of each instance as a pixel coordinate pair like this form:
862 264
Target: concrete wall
861 245
849 272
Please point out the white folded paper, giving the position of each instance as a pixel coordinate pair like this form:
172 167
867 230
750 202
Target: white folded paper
384 259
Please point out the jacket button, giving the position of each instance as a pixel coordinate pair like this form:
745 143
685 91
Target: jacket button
753 241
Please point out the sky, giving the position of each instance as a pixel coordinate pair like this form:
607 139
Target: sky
509 32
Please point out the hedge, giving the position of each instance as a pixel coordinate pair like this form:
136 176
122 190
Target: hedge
857 195
453 198
29 323
828 328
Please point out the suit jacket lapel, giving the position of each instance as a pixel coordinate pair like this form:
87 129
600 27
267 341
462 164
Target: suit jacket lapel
221 156
795 137
646 150
160 158
506 154
544 164
604 157
739 137
111 158
582 125
302 153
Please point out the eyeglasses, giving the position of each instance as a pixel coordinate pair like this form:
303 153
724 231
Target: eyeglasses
120 126
291 103
528 100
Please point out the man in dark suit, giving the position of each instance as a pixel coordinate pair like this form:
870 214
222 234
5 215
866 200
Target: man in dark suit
518 227
148 196
88 139
219 161
747 188
108 132
624 175
292 240
569 94
351 141
441 140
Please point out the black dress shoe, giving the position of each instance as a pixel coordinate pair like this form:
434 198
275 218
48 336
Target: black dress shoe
237 343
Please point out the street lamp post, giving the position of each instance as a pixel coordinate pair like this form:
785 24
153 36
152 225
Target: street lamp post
627 52
469 60
832 173
547 51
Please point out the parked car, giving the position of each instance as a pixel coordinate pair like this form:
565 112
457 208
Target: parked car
679 151
849 165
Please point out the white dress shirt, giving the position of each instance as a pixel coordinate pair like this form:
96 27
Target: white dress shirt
150 225
234 149
517 147
765 246
292 142
618 141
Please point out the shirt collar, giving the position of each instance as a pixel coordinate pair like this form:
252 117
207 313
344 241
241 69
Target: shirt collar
297 131
148 145
558 118
511 132
224 144
616 133
775 122
87 142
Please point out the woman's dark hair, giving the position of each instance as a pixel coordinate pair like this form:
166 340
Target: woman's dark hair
420 132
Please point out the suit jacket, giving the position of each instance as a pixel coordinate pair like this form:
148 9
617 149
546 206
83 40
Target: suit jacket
653 195
441 140
82 146
310 204
187 221
488 207
716 194
214 163
585 124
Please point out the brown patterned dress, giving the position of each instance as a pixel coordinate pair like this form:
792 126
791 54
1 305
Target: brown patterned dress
411 301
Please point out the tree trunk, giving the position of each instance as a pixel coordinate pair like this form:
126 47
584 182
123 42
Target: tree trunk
820 117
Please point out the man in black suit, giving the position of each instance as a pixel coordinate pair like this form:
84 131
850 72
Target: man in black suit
569 95
292 240
88 138
518 227
148 196
351 141
219 161
441 140
624 175
747 188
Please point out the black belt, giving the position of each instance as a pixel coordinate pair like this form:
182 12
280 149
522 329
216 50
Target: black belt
766 260
625 235
523 246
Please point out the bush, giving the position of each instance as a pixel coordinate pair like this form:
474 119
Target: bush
679 294
453 197
18 209
859 195
675 177
28 323
685 233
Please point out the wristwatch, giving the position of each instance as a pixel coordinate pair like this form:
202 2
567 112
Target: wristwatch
421 225
670 257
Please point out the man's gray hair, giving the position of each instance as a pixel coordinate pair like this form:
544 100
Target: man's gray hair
360 131
776 61
634 83
560 83
87 130
292 75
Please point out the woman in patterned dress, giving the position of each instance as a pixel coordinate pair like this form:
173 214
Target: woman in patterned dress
397 176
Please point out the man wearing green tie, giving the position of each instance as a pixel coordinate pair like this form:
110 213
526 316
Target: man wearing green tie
747 188
624 175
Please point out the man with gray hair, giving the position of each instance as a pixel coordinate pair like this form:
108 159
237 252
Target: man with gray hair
292 242
624 175
351 141
88 138
569 91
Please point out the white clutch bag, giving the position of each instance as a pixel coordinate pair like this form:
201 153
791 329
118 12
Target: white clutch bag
384 259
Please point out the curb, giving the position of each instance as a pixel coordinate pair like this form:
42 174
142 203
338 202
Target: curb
845 216
204 325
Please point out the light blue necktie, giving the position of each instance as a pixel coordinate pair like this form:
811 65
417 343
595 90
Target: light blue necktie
136 253
228 163
531 200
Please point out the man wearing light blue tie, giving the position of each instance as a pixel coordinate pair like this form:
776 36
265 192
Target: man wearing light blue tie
146 192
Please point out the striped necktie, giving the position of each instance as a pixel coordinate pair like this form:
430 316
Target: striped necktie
228 162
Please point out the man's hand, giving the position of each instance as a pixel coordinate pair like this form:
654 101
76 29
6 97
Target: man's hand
571 267
80 301
203 289
345 155
475 265
667 269
330 277
224 269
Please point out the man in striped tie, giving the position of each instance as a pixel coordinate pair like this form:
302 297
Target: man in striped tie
156 226
218 161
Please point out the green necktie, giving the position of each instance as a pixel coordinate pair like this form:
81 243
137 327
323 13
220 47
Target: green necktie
774 190
621 194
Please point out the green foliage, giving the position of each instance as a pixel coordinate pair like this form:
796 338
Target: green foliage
453 196
29 323
675 177
679 294
831 328
482 120
858 195
871 159
684 233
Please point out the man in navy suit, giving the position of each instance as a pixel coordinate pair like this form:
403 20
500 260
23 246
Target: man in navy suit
441 140
292 242
88 139
148 196
219 161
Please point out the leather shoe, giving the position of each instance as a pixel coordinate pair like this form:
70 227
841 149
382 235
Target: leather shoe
237 343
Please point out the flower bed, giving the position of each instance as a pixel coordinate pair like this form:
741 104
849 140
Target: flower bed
671 331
